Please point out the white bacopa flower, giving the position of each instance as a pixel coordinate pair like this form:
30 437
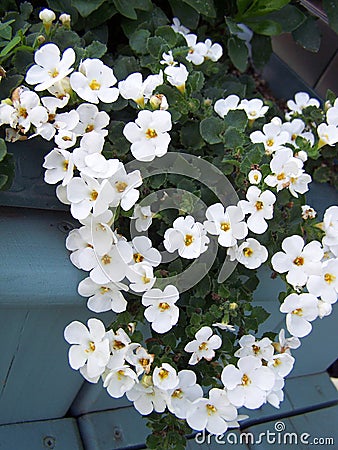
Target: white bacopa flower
203 346
80 243
124 185
302 100
59 165
224 105
168 59
308 212
330 227
165 377
159 101
186 391
65 19
251 254
145 252
149 134
89 346
27 111
97 166
296 128
86 194
98 231
214 51
134 88
143 217
65 139
120 380
225 326
227 224
47 16
281 364
324 308
161 310
146 397
215 414
91 119
262 349
102 298
141 276
300 311
178 27
139 358
177 76
94 82
285 344
255 176
119 344
197 50
325 285
276 394
328 135
254 108
248 384
298 260
332 116
272 137
186 236
90 143
259 205
49 68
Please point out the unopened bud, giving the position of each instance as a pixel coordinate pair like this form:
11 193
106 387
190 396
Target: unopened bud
159 101
65 20
207 102
47 16
233 306
41 39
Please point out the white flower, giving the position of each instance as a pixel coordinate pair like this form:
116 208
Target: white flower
298 260
120 380
49 67
177 76
28 111
59 165
47 16
134 88
124 185
186 236
254 108
144 251
87 194
178 28
91 119
302 100
203 345
300 311
276 394
214 51
90 143
119 344
94 82
90 347
161 310
80 243
332 115
262 349
255 176
141 276
285 344
295 128
147 397
102 298
186 391
248 384
98 232
225 326
168 59
149 134
165 377
272 137
197 50
281 364
143 217
139 358
260 207
328 134
65 139
227 224
308 212
330 227
224 105
65 19
251 254
325 285
97 166
324 309
215 414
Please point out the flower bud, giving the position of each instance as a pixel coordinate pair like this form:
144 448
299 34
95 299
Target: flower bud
302 155
233 306
41 39
65 20
47 16
159 101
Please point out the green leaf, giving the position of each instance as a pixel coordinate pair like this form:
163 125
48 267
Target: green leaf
3 181
265 27
331 9
187 15
11 44
322 174
190 135
3 149
205 7
232 26
168 34
128 7
6 30
67 38
86 7
96 50
232 138
125 65
156 46
259 313
8 84
211 129
6 172
196 81
237 119
289 18
254 156
23 58
238 53
26 10
308 35
242 6
261 8
138 41
261 50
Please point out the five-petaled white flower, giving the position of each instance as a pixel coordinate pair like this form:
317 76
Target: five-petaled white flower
102 298
161 310
300 311
224 105
165 377
254 108
262 349
203 346
325 285
49 68
251 253
177 76
143 217
259 205
186 392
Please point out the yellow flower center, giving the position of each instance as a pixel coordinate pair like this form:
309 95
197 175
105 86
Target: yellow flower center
104 289
163 374
91 347
211 409
225 226
203 346
299 261
259 205
106 259
54 73
294 137
89 128
245 380
281 176
120 374
65 165
138 257
270 142
256 349
247 252
144 362
297 312
23 112
163 306
93 195
145 279
188 240
277 362
94 85
120 186
151 133
255 177
177 393
118 345
329 278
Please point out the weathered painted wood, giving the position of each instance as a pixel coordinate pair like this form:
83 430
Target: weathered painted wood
60 434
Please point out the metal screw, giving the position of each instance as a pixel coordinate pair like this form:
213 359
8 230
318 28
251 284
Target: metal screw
117 432
49 442
65 226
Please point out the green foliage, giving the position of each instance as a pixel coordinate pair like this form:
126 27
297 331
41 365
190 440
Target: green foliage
330 7
308 35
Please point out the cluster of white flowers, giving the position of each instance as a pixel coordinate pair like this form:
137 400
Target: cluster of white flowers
93 185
